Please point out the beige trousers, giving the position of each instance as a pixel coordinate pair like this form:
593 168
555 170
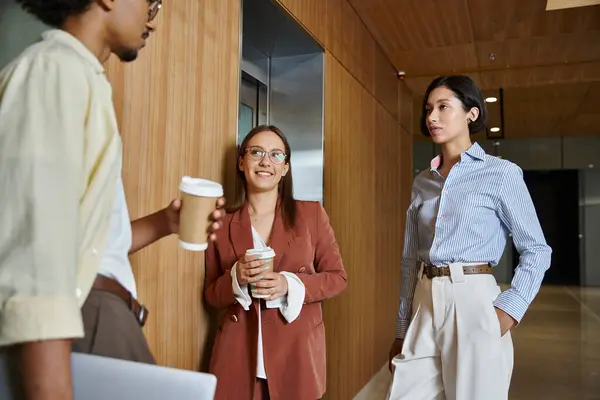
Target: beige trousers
453 348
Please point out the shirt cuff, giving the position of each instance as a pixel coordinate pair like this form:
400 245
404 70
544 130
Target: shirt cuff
31 319
401 328
511 303
240 292
291 304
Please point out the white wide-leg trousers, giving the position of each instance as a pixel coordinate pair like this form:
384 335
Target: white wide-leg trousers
453 348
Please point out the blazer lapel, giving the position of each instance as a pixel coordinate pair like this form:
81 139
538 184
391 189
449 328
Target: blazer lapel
240 235
281 239
240 232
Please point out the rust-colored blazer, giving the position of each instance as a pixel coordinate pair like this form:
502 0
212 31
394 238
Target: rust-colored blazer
294 353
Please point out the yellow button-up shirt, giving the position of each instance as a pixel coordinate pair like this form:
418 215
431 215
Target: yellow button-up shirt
59 159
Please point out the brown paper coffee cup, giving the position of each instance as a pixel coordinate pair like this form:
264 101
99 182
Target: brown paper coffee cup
198 200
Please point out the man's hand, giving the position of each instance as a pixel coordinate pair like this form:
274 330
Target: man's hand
172 211
394 351
147 230
506 321
45 369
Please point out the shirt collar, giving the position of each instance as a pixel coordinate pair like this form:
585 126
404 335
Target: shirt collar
475 152
65 38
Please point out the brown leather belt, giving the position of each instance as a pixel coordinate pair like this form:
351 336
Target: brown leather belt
112 286
431 271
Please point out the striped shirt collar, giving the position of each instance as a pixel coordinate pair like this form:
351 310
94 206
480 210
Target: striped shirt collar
475 152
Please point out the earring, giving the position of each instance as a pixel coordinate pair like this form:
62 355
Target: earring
469 121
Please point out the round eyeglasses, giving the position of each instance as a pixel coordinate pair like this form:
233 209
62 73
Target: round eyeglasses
154 8
257 153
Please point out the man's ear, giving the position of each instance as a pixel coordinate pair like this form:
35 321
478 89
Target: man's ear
107 5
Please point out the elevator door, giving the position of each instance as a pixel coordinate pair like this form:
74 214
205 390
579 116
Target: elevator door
253 105
555 195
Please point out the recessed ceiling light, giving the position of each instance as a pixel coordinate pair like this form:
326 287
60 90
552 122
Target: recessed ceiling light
491 99
495 129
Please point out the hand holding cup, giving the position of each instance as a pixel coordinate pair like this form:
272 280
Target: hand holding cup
271 287
198 219
249 269
258 265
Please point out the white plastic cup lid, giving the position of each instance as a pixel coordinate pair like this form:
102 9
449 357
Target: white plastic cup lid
200 187
261 253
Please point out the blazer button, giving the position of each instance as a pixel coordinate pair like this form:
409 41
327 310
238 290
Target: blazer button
234 318
302 270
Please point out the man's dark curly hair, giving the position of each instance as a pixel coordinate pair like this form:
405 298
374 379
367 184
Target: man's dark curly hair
55 12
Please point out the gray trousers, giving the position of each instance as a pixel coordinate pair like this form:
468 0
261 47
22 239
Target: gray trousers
111 330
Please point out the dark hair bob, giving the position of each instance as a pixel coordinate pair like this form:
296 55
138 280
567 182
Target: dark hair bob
465 90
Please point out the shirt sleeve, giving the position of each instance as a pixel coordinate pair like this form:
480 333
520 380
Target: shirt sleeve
43 109
517 213
409 267
240 292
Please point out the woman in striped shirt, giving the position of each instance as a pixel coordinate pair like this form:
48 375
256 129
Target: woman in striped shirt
453 335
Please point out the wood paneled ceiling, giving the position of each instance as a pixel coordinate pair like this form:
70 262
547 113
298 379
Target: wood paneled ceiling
546 62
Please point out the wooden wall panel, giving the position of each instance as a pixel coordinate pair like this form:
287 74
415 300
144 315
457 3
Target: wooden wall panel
363 185
388 198
358 48
406 172
177 109
347 162
336 25
365 189
386 88
407 105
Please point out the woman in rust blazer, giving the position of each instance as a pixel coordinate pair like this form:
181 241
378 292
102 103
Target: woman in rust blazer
273 347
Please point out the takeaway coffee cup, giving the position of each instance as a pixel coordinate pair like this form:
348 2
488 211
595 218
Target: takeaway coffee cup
263 254
198 200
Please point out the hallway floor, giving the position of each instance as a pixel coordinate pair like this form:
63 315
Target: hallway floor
557 349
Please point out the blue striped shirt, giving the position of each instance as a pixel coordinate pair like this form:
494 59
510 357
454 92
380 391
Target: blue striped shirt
466 217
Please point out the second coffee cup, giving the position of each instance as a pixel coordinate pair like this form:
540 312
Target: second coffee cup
198 201
263 254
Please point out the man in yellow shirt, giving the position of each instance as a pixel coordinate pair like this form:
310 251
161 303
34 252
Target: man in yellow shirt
64 226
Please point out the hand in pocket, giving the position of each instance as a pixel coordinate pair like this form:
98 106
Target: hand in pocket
506 321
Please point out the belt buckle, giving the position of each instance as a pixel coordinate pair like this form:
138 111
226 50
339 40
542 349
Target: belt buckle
143 315
432 271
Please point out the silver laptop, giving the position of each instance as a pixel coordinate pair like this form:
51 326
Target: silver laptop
101 378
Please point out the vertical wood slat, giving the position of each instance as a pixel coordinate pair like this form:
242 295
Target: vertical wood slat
177 109
366 154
